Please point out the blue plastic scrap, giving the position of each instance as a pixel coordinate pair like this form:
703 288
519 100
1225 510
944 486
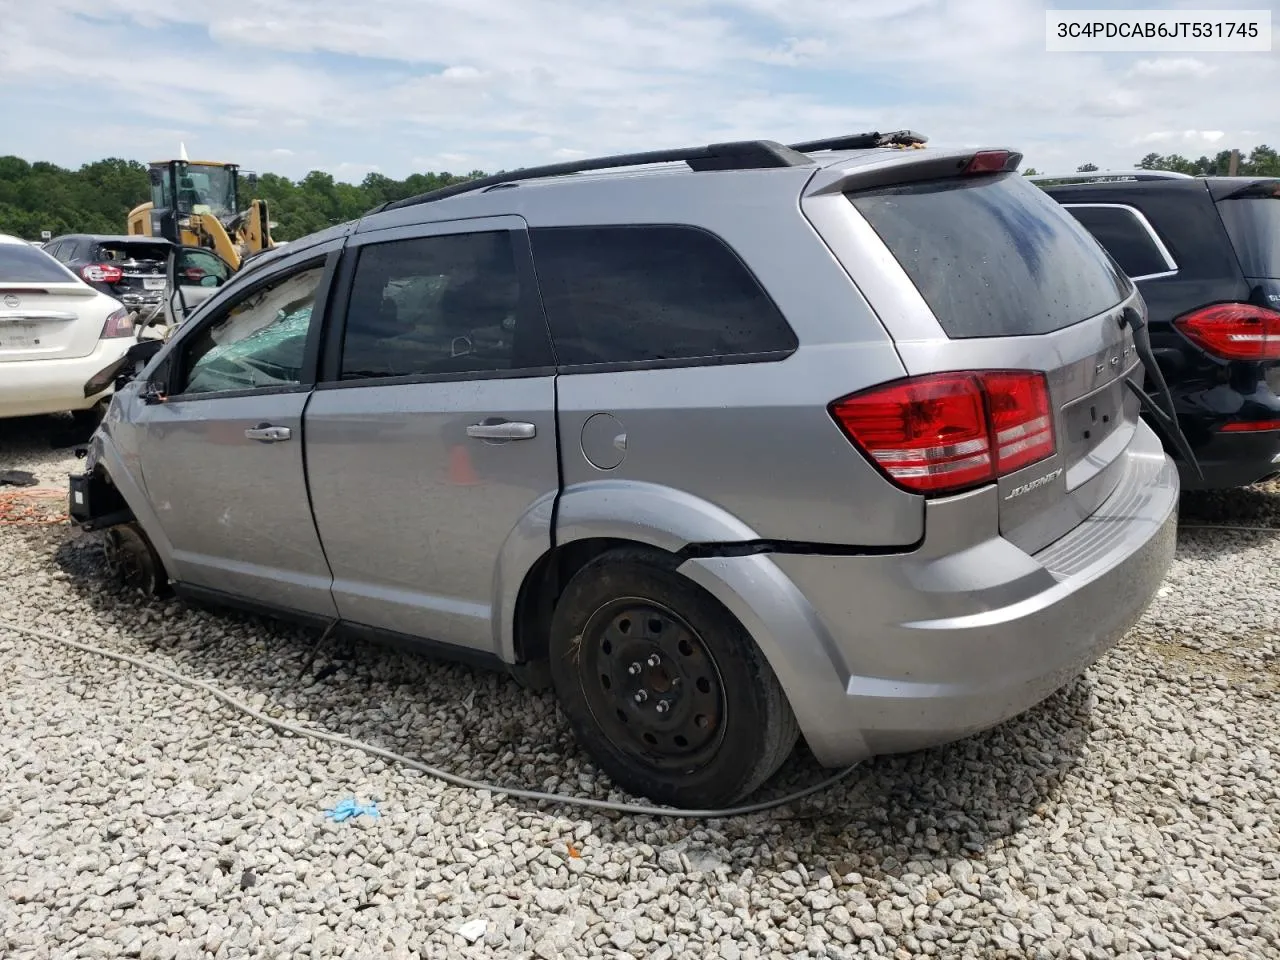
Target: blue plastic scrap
349 808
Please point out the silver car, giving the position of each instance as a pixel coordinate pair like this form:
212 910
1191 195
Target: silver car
730 444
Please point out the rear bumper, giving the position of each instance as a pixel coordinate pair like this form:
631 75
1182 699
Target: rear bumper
889 654
30 388
1230 460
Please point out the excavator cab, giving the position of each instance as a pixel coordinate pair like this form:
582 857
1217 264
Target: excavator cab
180 188
198 204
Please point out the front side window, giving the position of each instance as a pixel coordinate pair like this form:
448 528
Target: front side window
206 189
438 305
200 268
259 342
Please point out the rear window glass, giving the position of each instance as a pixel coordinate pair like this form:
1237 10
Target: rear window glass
642 293
993 256
117 252
22 263
1254 227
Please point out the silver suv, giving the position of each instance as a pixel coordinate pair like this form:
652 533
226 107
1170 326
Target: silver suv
730 444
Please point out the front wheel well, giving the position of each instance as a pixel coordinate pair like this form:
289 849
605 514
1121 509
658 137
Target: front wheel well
543 585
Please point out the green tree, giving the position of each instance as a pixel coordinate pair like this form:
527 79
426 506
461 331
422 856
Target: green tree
1087 168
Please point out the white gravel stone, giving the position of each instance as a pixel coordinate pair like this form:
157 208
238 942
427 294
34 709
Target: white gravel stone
1133 814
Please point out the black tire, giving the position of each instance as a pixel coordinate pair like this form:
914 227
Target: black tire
133 561
88 420
727 725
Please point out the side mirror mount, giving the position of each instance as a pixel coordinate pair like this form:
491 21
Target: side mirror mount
125 369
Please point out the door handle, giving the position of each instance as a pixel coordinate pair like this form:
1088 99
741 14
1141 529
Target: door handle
266 433
502 430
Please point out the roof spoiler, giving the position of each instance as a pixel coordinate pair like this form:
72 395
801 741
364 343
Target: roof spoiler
1231 188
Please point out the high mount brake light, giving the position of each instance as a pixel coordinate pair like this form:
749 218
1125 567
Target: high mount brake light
988 161
1234 331
946 432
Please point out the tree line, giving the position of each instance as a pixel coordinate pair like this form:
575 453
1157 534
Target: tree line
1261 161
97 197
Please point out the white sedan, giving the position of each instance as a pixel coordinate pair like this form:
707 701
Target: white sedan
55 333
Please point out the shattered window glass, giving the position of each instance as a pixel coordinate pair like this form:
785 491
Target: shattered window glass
259 343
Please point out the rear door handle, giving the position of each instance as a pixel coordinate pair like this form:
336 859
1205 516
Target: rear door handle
503 430
266 433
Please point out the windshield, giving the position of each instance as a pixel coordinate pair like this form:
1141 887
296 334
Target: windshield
993 256
206 189
23 263
1253 224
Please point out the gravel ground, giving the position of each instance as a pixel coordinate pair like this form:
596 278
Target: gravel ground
1134 814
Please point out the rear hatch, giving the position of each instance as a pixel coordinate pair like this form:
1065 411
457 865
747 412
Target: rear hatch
1251 215
1016 283
43 313
142 268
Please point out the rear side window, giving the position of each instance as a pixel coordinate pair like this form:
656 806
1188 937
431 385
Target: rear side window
23 263
440 305
993 256
1254 227
1126 237
635 294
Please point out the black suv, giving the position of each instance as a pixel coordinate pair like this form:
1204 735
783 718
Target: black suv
131 269
1205 253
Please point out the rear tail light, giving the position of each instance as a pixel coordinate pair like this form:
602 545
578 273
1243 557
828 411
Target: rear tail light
102 273
119 324
1257 426
945 432
1234 331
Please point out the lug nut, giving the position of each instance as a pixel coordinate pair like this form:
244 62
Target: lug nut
634 669
654 660
642 696
663 706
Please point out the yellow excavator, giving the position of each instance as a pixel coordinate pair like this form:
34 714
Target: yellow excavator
197 204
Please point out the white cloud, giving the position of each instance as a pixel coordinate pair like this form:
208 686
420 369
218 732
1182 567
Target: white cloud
1172 68
282 152
463 84
462 74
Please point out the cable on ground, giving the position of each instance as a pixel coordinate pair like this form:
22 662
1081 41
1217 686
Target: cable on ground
285 726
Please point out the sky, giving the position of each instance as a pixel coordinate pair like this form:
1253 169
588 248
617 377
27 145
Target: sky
403 86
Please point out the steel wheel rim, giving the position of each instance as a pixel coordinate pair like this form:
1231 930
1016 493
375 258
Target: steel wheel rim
128 561
652 685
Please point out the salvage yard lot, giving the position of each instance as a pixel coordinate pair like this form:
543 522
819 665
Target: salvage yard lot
1135 813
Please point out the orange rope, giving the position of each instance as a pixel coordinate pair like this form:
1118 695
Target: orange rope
33 505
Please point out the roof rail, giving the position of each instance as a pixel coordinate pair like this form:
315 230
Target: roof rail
1114 175
739 155
863 141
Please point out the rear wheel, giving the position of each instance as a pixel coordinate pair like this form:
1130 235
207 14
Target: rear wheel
663 686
